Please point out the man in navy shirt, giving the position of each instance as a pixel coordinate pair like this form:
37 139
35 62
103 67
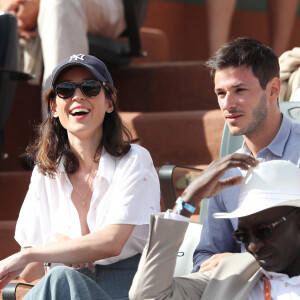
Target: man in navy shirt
247 85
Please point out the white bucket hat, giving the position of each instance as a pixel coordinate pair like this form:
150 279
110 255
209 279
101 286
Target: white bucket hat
269 184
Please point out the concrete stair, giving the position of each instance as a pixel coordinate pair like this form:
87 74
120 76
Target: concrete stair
180 137
165 86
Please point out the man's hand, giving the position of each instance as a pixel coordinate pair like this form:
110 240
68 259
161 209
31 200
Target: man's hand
27 15
26 12
10 5
213 262
208 183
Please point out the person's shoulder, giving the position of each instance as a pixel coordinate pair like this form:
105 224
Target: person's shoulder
138 149
38 176
38 181
293 140
36 173
137 156
295 128
139 152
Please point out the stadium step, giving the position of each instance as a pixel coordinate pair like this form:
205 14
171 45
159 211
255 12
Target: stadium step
165 86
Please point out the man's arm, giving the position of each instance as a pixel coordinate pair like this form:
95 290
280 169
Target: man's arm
216 234
154 277
215 237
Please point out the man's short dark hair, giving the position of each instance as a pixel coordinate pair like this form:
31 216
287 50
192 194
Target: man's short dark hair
250 53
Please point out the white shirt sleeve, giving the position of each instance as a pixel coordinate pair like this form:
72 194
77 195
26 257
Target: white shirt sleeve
28 228
137 193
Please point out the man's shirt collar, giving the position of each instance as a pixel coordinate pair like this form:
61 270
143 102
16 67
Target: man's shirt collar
281 276
277 145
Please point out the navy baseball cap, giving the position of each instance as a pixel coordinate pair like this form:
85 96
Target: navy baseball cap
92 63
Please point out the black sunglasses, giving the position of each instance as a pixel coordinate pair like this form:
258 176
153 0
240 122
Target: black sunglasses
89 88
262 232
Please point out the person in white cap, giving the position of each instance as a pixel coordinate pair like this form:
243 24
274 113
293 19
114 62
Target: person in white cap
268 215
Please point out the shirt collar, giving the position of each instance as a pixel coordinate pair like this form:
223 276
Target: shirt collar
61 167
277 145
280 276
106 168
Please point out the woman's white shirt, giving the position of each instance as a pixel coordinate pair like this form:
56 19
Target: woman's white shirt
126 191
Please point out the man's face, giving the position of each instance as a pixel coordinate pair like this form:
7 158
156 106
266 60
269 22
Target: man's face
243 102
281 251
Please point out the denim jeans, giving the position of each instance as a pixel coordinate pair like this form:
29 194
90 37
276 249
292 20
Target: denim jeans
107 282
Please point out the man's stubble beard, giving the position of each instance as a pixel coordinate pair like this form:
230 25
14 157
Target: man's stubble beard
259 117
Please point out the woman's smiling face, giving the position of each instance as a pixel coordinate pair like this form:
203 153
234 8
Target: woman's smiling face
80 115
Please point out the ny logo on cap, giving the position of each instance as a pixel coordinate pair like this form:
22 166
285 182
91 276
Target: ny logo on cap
76 57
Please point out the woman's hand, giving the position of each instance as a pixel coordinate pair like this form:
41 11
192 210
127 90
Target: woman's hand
11 267
208 183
